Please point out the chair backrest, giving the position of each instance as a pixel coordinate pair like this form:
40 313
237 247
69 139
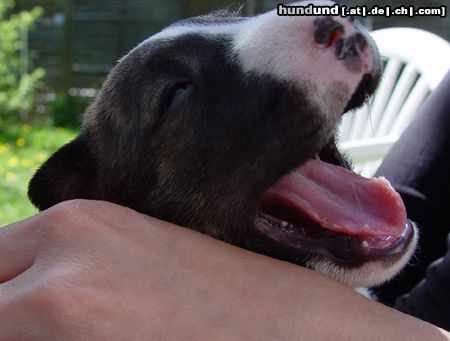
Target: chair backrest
415 61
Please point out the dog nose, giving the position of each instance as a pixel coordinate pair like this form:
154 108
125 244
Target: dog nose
350 43
328 30
330 33
348 39
352 46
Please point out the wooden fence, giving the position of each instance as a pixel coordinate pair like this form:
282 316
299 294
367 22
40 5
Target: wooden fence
78 41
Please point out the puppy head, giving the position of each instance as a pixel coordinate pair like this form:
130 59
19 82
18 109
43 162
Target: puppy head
199 124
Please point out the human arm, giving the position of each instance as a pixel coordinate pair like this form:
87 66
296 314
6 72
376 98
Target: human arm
95 270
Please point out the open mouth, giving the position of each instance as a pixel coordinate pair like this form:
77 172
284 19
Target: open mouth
323 208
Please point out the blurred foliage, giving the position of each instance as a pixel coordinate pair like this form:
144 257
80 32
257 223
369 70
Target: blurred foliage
23 148
66 110
17 85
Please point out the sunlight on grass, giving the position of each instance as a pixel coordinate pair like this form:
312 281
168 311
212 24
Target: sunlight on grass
23 148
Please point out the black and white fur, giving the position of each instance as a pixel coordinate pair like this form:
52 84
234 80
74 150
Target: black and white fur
198 121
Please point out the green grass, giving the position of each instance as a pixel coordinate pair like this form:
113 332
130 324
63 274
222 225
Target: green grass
23 148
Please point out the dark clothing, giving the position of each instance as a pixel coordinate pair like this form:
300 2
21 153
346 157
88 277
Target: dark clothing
418 166
430 299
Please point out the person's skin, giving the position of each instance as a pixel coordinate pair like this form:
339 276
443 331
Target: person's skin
86 270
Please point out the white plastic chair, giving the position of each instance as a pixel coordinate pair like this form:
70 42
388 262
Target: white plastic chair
416 61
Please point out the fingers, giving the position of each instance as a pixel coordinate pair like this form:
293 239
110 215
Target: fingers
18 245
22 243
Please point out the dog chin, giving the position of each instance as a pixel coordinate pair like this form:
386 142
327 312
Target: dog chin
369 273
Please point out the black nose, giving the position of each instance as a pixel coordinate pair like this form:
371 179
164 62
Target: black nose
352 46
328 31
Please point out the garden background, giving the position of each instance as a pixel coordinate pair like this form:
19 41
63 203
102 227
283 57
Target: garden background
54 55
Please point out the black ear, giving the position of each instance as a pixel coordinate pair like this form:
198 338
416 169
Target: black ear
70 173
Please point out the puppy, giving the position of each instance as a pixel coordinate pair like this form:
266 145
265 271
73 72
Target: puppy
226 125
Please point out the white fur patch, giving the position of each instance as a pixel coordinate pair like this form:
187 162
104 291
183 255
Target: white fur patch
284 48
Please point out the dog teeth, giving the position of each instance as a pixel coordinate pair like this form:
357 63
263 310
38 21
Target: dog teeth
283 225
287 227
264 219
365 244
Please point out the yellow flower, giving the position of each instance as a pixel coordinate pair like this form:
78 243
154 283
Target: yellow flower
3 148
25 162
26 128
41 157
10 176
20 142
12 162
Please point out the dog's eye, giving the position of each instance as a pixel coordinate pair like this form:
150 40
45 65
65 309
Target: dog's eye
174 95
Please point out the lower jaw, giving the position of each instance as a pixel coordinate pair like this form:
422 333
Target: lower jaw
297 243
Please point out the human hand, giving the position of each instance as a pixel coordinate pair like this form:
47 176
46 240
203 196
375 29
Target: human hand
97 271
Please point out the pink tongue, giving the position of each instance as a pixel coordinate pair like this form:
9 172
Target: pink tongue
339 200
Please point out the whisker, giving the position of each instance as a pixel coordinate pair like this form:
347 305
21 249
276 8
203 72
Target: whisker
357 199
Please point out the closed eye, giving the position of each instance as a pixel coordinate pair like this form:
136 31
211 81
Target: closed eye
174 95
